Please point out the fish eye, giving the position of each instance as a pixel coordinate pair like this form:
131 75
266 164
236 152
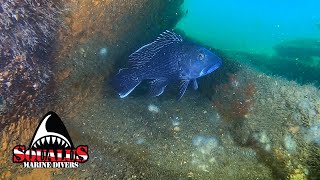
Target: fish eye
200 56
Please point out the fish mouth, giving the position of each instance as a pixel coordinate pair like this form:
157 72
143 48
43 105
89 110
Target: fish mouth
212 68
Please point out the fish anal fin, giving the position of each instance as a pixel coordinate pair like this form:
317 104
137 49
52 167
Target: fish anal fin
157 86
125 82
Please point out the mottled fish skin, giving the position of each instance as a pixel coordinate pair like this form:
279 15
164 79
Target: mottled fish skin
167 59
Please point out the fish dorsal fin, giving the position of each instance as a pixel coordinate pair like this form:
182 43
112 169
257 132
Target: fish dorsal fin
147 52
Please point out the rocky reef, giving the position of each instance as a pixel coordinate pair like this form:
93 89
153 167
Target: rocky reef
27 25
277 118
304 70
27 30
299 48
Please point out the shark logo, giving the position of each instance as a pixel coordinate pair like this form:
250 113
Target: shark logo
51 146
51 134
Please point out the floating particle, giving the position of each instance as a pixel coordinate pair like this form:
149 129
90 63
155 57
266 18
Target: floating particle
290 144
175 121
153 108
103 52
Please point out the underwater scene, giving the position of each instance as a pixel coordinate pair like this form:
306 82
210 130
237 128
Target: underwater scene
159 89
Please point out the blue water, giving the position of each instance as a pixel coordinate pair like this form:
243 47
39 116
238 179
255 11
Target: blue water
250 26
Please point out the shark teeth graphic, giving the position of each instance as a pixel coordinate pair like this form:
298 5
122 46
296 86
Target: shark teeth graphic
51 134
51 140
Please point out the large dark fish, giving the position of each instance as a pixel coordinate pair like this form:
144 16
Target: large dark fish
167 59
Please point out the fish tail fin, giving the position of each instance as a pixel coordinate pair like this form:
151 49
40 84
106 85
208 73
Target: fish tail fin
125 82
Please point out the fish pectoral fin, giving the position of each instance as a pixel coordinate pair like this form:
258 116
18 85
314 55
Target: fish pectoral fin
183 88
157 86
195 84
